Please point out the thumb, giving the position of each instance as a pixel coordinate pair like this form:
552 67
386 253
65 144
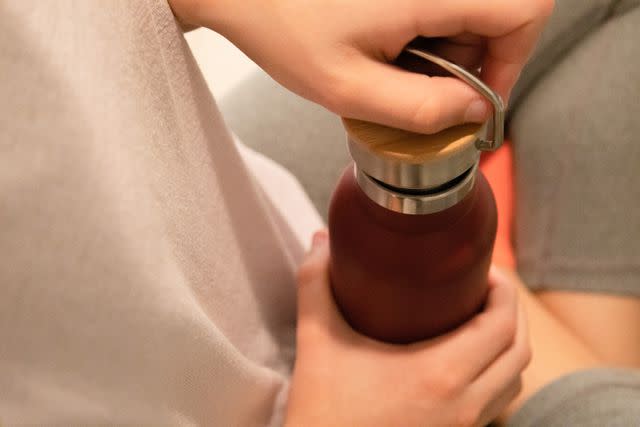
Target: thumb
316 306
386 94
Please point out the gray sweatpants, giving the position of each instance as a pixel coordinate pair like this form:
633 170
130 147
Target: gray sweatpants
575 125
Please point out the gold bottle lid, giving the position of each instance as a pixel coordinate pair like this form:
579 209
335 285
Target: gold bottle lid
409 160
406 171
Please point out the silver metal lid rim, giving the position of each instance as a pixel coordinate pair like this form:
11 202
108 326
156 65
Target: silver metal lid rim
430 174
415 204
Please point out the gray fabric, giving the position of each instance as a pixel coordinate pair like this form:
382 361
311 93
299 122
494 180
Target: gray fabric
598 397
577 153
571 22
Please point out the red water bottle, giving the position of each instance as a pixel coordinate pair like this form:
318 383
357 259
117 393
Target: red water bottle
412 224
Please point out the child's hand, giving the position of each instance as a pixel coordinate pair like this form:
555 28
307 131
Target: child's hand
337 52
342 378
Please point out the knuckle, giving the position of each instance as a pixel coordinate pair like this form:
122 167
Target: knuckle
506 328
338 95
447 385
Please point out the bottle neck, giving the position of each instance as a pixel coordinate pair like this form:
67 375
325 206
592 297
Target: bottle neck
417 201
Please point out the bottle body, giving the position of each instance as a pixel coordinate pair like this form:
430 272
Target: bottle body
402 278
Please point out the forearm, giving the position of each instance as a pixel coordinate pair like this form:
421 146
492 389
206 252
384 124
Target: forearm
214 14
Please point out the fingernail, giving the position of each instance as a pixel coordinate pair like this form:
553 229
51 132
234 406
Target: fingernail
476 112
319 239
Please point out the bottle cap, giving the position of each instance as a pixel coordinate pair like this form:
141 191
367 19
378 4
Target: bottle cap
412 161
408 160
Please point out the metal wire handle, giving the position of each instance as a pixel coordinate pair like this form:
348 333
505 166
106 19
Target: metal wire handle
493 130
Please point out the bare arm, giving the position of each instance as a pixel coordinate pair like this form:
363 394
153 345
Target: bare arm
338 53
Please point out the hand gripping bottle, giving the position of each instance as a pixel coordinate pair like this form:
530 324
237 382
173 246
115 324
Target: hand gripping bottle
412 224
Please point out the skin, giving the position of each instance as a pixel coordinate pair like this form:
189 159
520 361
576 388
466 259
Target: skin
441 394
608 324
556 350
337 53
342 378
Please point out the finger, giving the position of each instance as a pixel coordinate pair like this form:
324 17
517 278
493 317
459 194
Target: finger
511 27
498 405
316 306
475 345
501 68
510 41
386 94
494 382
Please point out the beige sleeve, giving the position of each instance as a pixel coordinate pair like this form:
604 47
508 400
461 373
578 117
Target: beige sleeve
146 276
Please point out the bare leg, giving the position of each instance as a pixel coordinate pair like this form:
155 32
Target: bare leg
609 325
556 349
